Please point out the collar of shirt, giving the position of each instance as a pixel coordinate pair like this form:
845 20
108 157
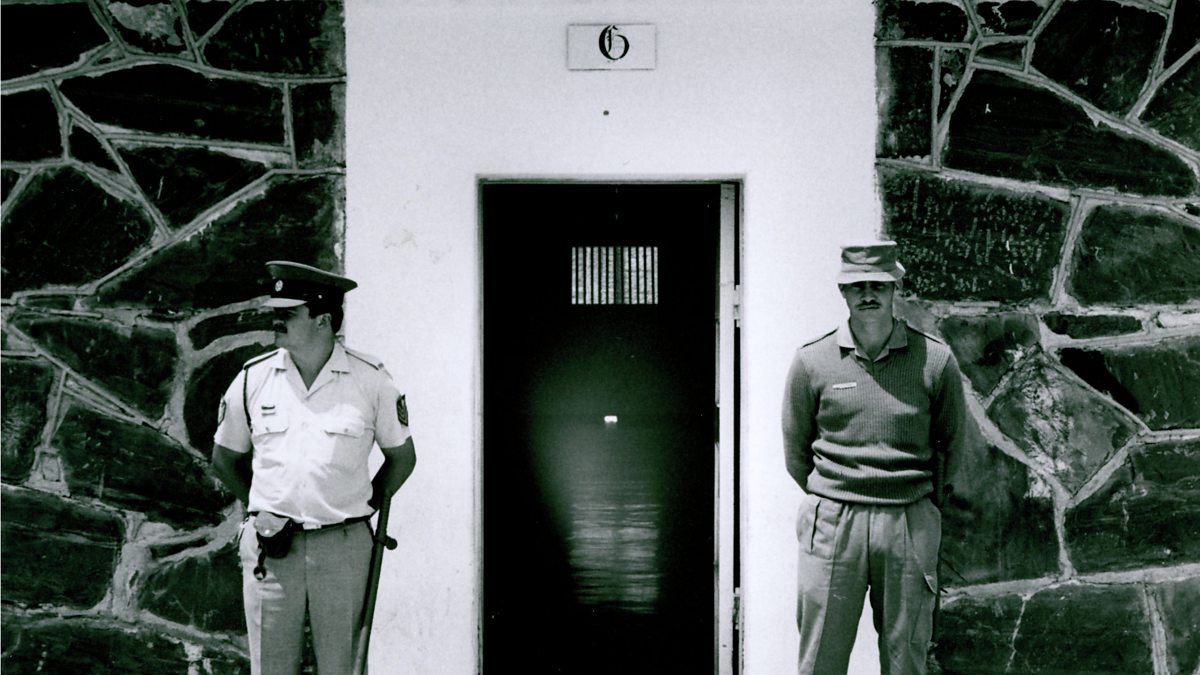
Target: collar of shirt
338 363
897 340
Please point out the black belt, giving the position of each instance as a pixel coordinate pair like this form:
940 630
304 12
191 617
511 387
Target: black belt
348 521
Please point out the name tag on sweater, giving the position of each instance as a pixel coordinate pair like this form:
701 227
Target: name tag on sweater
845 385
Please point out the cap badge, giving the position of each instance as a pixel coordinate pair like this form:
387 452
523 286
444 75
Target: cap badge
278 285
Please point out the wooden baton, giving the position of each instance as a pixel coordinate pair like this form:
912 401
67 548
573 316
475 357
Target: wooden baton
380 542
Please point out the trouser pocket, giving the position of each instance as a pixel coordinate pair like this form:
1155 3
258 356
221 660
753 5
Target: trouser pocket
925 537
817 526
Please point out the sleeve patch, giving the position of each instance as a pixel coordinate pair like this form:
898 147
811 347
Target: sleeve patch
402 410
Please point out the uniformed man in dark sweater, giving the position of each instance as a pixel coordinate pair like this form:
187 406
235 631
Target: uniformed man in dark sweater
869 412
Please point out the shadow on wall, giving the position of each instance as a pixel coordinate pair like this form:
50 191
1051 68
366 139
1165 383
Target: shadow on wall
154 156
1038 166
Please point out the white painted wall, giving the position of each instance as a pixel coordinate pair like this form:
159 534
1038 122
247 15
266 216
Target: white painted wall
779 95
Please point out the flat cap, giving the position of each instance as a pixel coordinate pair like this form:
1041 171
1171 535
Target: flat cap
870 261
294 284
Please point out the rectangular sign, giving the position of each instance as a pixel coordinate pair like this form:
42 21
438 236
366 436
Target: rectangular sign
612 46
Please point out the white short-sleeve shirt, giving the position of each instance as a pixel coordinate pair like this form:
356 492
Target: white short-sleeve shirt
311 444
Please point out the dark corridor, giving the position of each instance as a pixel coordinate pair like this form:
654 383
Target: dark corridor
599 427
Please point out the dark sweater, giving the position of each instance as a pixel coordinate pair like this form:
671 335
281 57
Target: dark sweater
867 432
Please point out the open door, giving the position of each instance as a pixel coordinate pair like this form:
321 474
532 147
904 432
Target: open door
602 527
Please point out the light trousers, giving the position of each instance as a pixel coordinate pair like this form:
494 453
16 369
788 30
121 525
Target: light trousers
850 550
325 575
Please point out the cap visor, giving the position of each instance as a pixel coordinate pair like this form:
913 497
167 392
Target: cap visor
282 302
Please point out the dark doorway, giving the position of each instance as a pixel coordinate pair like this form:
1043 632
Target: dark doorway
599 372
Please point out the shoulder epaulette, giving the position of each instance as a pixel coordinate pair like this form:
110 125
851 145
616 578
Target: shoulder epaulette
259 359
246 379
819 338
929 336
365 358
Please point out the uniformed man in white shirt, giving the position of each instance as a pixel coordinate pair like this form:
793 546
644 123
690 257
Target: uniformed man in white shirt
295 430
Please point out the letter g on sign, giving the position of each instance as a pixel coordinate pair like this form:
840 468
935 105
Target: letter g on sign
613 45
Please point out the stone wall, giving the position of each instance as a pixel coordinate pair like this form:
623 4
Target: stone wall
154 155
1038 164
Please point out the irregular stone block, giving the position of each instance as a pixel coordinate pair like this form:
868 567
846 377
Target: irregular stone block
1148 513
137 364
1101 50
94 645
56 552
908 20
1089 365
26 394
1128 256
175 101
204 391
136 468
1174 111
1185 31
202 16
281 37
84 147
318 125
1090 325
996 526
183 182
1152 381
903 81
987 346
200 591
1084 629
967 242
30 130
1179 606
1011 17
1004 127
1004 53
953 68
223 325
298 218
1066 427
64 229
152 27
42 37
977 634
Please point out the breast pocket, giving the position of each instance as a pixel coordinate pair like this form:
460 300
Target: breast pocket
268 427
346 443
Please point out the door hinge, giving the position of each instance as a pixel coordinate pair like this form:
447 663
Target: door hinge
737 609
737 305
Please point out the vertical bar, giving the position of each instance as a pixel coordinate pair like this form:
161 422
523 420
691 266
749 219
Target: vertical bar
726 511
608 276
642 274
654 252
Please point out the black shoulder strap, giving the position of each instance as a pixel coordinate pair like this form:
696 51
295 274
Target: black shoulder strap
246 380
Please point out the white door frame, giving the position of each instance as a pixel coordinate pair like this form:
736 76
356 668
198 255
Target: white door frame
728 639
727 642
